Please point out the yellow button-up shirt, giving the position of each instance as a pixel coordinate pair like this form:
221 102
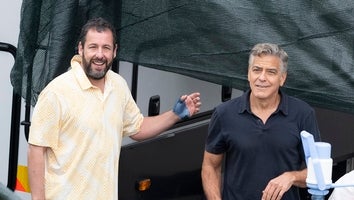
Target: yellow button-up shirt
83 129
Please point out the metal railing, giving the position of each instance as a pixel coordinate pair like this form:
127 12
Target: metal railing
15 127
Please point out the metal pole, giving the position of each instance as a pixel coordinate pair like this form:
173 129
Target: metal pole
317 197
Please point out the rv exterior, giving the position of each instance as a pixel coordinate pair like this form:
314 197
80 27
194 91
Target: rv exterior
147 88
171 162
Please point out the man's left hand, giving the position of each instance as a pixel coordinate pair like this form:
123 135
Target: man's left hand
193 102
278 186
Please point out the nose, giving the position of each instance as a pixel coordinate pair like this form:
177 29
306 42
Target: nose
99 53
262 76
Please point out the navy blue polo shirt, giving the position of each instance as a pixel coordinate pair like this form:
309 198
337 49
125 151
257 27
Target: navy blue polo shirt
256 152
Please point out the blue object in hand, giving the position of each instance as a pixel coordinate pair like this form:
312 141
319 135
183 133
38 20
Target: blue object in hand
181 109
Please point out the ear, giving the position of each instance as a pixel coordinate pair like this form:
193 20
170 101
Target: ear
283 78
80 48
115 51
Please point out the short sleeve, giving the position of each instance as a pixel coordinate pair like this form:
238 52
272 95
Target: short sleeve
44 129
133 118
215 142
311 125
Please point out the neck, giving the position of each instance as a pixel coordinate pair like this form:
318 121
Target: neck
98 83
269 103
264 108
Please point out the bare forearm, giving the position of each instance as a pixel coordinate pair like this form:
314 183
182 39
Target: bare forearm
186 106
211 183
300 178
153 126
36 171
279 185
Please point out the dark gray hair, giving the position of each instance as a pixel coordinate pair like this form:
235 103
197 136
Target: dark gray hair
269 49
99 24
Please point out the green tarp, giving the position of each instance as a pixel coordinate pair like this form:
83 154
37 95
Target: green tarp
208 40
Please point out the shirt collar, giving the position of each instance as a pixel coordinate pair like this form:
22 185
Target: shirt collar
245 103
79 73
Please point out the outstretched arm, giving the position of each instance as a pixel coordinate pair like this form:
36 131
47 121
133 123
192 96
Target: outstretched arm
153 126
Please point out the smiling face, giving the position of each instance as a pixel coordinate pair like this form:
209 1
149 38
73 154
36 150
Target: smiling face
97 53
265 76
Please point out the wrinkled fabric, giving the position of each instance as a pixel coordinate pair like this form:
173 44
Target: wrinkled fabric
205 39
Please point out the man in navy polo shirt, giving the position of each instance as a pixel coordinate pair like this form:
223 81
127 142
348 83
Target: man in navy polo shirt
256 137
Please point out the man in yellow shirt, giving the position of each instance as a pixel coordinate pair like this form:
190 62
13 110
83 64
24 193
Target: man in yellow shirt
80 119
